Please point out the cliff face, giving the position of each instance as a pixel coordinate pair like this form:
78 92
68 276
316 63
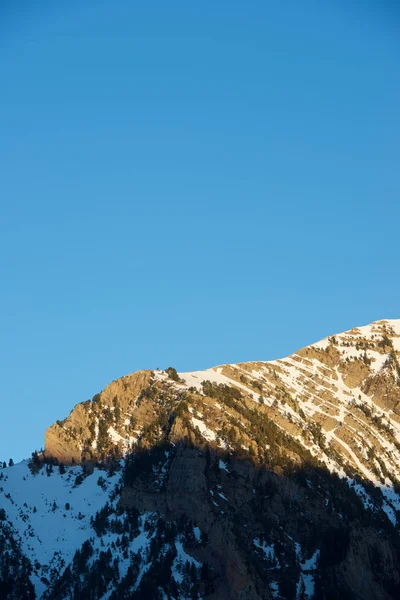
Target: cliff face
300 533
339 398
247 481
76 438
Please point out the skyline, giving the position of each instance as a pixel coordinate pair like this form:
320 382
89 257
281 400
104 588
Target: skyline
188 186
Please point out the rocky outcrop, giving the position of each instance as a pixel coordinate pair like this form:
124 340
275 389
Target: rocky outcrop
126 389
339 395
74 439
186 494
354 372
64 440
237 505
288 468
369 570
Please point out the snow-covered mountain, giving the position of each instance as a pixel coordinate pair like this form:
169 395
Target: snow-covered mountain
255 480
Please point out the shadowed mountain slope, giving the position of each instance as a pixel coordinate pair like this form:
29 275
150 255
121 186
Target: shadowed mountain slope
253 480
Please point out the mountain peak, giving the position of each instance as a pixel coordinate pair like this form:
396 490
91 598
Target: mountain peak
263 479
345 385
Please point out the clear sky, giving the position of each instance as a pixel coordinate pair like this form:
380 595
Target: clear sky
188 184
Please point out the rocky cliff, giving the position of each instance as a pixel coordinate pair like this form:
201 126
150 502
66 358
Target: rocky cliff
246 481
339 399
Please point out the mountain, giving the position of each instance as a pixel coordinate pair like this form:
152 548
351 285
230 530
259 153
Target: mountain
254 480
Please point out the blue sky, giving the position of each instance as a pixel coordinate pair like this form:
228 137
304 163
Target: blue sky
188 184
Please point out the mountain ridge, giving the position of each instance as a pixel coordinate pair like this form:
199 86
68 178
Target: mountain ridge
266 479
356 345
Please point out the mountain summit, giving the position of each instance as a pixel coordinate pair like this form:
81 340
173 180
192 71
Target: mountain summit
253 480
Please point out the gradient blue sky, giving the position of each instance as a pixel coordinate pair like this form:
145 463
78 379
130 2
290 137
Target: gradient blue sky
188 184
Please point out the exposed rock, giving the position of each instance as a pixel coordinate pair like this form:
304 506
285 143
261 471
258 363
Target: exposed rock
354 373
253 457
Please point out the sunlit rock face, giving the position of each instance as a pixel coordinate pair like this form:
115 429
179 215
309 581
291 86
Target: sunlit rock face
253 480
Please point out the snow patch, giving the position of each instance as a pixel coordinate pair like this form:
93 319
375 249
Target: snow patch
204 430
